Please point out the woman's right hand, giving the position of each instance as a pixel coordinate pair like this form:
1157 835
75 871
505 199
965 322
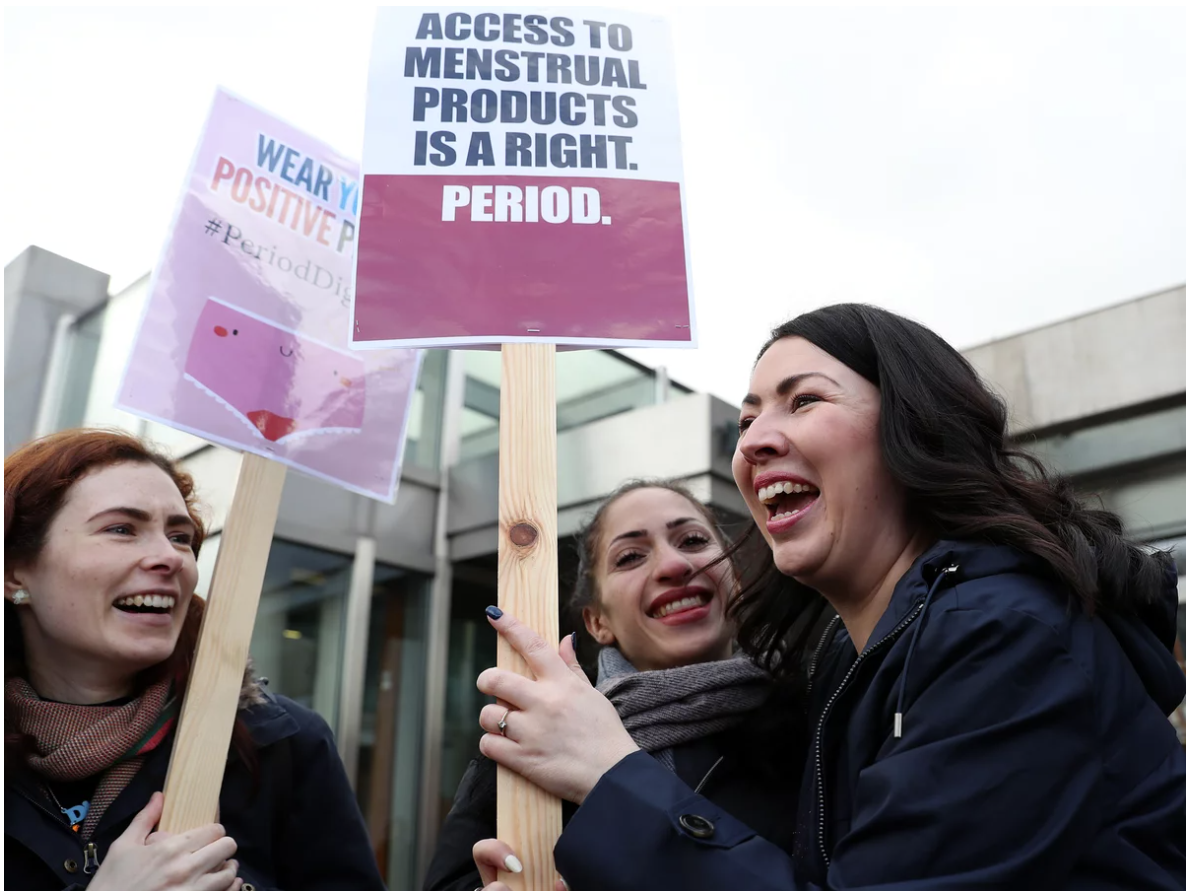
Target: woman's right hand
490 856
143 860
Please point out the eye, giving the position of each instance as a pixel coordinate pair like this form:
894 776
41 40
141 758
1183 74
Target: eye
120 529
627 558
182 538
743 424
695 541
235 332
803 399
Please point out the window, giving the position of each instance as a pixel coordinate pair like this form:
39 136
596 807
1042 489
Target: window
590 385
389 754
297 642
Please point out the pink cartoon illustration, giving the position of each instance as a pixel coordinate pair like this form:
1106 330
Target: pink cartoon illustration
282 384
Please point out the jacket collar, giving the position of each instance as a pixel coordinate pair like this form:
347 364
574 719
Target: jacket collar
269 721
973 559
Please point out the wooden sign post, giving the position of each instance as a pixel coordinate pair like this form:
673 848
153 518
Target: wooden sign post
212 696
528 585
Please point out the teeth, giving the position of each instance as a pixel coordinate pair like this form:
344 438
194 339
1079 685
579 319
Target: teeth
785 487
677 605
155 601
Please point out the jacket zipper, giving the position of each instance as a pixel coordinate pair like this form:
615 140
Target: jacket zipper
90 854
824 641
819 733
90 863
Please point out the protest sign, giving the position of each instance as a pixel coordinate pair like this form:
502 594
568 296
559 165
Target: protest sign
243 340
522 182
522 186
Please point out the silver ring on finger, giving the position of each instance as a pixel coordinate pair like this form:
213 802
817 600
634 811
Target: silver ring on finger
502 722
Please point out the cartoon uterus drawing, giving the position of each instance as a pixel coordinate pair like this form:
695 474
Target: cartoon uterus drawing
282 384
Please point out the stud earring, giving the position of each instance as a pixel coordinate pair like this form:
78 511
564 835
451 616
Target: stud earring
20 596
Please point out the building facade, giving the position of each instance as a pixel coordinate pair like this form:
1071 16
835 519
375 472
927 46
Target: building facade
372 614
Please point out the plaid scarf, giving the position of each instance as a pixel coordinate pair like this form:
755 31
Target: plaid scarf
666 707
73 742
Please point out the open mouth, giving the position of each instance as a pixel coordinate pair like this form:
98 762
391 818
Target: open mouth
160 604
785 499
682 601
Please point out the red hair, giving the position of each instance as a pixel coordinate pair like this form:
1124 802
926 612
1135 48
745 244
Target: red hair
37 479
38 476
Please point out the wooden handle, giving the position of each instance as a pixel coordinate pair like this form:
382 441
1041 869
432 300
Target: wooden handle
212 697
528 817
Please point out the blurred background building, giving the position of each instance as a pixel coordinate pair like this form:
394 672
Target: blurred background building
372 614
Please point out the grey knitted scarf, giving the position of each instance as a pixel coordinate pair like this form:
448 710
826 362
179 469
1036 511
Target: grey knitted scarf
666 707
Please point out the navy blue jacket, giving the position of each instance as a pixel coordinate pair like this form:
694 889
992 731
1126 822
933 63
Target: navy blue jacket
295 820
1034 753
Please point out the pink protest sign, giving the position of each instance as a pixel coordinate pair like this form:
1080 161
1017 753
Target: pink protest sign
522 182
244 338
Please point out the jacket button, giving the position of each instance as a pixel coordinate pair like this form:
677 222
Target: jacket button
71 866
696 826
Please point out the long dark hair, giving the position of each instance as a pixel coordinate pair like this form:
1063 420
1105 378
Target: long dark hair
943 438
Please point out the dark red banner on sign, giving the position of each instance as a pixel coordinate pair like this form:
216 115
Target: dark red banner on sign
496 258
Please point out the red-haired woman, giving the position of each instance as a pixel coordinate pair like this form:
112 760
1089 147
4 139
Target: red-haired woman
101 538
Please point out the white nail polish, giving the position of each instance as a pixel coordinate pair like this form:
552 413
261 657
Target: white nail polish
513 864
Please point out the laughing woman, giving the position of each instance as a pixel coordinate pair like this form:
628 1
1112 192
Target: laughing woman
653 592
989 706
100 546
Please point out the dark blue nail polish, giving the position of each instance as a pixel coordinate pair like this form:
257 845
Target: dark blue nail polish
494 612
574 640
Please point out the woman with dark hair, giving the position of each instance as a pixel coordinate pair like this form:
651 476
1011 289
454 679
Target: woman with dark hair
652 593
989 705
101 538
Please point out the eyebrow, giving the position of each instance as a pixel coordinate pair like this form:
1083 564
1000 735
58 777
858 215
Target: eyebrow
639 533
144 516
786 385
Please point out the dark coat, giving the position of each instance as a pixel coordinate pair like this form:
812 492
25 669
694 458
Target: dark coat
1034 754
296 822
744 783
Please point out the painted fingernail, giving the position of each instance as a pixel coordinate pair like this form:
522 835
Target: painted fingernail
513 864
494 612
574 640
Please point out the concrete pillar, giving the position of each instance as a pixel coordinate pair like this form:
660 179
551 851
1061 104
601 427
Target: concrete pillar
39 289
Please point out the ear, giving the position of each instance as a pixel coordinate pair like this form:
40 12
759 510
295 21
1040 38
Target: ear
597 627
12 581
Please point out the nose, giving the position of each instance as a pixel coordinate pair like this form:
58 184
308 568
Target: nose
763 441
162 556
673 564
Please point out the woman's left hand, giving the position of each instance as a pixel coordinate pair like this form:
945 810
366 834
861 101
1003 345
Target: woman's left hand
561 734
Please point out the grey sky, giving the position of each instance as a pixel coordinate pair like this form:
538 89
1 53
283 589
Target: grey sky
984 171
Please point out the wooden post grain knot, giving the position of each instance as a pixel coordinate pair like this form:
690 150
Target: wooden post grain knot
524 534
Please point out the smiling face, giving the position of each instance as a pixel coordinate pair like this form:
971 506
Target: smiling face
650 543
109 591
810 468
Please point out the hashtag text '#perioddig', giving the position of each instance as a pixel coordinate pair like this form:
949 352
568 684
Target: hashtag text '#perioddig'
305 269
